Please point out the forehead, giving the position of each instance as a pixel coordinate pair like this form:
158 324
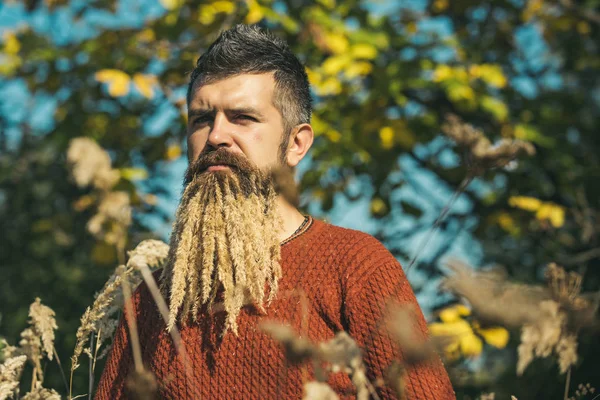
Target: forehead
247 90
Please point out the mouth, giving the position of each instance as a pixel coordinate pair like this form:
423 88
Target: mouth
218 167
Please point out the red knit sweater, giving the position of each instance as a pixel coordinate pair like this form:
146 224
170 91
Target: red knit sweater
346 276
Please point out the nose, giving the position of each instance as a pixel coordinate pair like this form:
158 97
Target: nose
220 133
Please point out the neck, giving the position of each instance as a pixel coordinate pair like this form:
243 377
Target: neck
292 218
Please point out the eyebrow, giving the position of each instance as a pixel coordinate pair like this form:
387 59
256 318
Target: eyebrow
196 112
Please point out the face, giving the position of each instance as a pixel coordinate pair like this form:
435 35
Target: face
236 114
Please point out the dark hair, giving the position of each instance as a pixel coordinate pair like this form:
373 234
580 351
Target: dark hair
248 49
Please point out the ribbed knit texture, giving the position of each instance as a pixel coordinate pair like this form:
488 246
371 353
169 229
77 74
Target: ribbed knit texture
346 277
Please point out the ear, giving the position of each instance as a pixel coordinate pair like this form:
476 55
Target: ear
301 139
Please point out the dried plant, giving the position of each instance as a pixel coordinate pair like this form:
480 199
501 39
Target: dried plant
90 164
112 219
297 349
341 354
540 338
318 391
37 341
549 317
41 393
43 322
142 385
10 374
100 318
480 153
495 300
209 251
285 185
583 390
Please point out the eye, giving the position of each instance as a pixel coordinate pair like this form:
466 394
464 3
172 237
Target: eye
201 120
246 117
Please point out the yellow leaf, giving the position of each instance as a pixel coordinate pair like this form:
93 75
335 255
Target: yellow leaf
363 50
453 313
411 27
470 345
133 174
333 135
173 152
11 43
442 73
171 4
144 84
336 42
495 107
359 68
222 6
147 35
255 12
449 315
507 223
458 92
386 136
456 328
206 14
440 5
490 74
495 336
118 81
329 86
525 203
314 77
552 212
330 4
378 206
334 64
583 28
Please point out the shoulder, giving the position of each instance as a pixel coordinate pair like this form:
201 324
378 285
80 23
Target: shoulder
353 249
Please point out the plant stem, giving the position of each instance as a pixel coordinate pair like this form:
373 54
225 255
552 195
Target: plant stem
567 384
461 188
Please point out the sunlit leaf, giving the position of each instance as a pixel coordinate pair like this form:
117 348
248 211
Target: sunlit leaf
144 84
118 81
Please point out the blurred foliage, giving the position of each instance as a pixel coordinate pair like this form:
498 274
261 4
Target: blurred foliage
383 82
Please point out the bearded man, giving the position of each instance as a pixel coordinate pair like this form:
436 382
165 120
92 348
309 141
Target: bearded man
241 254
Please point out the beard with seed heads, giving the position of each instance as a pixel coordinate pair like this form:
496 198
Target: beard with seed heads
225 237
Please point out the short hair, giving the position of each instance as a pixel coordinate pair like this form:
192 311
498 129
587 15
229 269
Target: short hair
249 49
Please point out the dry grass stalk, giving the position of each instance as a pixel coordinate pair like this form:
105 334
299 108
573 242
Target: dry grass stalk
582 391
493 299
43 322
209 251
318 391
100 317
481 154
41 393
142 385
401 323
113 218
341 353
285 185
549 317
90 164
10 375
37 341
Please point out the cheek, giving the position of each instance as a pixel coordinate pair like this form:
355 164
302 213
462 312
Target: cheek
195 145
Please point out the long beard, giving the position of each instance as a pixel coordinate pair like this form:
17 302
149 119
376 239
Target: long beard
225 237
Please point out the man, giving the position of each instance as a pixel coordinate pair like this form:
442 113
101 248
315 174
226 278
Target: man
240 254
